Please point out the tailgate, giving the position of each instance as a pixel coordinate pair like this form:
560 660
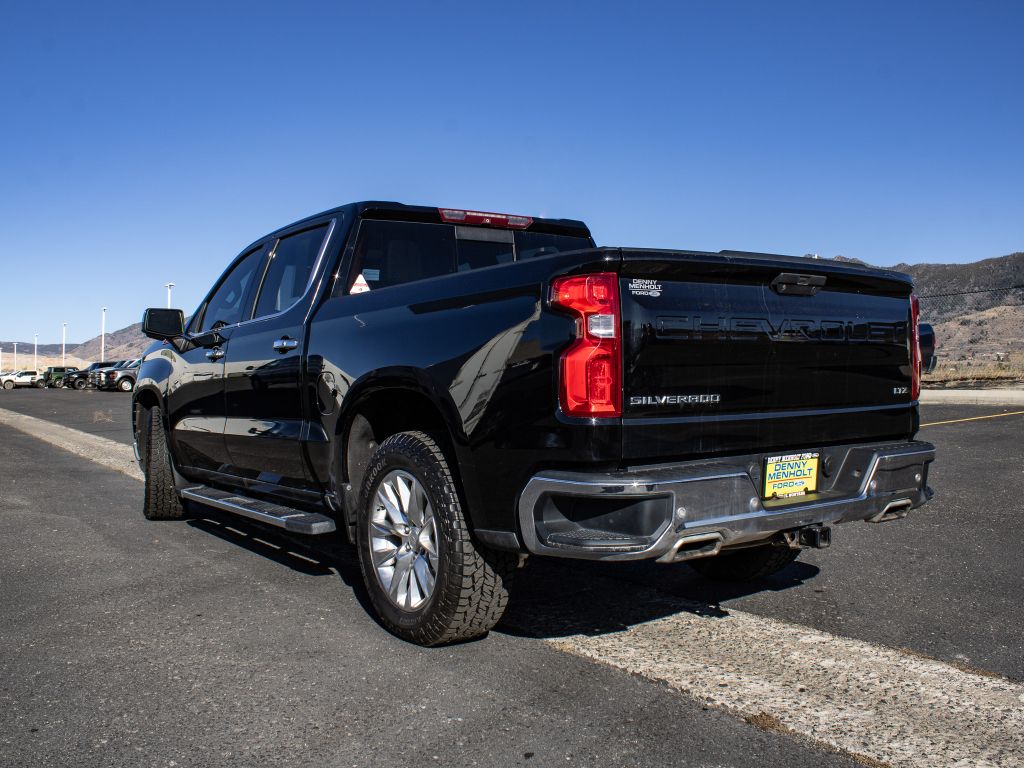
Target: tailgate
729 353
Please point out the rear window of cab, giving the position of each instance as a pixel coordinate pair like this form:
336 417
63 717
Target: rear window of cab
391 253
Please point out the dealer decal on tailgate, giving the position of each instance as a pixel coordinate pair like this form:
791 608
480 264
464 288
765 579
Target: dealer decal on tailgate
795 474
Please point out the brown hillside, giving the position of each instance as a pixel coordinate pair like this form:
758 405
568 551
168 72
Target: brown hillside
121 344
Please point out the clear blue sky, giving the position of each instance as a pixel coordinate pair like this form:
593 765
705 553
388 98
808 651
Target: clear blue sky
141 144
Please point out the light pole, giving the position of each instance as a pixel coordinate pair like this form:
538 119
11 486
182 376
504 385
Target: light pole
63 341
103 336
35 353
168 286
15 355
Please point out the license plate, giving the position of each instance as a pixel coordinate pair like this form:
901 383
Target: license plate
791 475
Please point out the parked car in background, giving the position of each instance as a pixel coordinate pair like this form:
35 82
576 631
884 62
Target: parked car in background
54 376
19 379
97 377
122 378
80 379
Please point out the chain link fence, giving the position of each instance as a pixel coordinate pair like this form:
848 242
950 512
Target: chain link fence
979 335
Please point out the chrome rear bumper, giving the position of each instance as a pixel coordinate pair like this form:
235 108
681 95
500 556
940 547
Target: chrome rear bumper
697 508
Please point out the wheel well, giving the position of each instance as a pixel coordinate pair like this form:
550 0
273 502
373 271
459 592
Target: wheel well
144 400
380 415
386 413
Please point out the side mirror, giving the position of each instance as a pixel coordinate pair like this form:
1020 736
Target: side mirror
163 324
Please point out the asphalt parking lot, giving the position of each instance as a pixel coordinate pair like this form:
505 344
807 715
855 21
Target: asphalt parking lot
214 641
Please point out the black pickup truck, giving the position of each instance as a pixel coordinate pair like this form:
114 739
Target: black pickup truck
80 379
456 390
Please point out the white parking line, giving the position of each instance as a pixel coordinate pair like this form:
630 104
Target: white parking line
867 700
101 450
863 699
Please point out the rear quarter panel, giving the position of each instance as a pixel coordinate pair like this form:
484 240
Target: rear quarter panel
481 346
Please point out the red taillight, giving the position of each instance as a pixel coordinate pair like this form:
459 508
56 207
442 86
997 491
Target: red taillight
914 341
479 218
591 371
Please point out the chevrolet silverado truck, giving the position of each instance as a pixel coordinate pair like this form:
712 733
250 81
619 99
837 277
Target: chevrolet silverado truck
454 391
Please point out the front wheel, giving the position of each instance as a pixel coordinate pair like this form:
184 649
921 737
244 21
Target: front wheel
125 385
8 385
79 383
160 499
40 384
428 581
748 564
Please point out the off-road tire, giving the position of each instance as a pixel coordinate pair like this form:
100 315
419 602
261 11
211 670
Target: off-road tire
160 498
749 564
80 384
471 589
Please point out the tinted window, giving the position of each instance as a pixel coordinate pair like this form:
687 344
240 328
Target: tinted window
291 266
226 307
478 247
395 252
530 245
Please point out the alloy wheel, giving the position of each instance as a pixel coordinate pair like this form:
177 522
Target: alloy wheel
403 540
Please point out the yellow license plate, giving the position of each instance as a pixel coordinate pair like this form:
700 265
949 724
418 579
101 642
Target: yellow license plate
791 475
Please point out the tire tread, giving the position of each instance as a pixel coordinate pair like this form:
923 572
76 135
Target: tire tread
475 594
161 500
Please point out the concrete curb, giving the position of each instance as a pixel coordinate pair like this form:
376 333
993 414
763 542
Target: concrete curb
972 397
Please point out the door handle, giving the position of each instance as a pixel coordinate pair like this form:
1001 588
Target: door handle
285 345
215 354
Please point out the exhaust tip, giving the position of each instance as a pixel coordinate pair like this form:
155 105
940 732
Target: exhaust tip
894 510
694 546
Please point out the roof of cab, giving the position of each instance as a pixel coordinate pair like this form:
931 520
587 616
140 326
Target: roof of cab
393 210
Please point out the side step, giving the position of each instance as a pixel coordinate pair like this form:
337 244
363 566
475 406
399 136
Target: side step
294 520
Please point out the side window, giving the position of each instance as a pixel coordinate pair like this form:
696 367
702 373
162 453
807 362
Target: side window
226 306
289 271
395 252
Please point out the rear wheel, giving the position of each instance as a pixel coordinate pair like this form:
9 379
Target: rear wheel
79 383
428 581
160 499
748 564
